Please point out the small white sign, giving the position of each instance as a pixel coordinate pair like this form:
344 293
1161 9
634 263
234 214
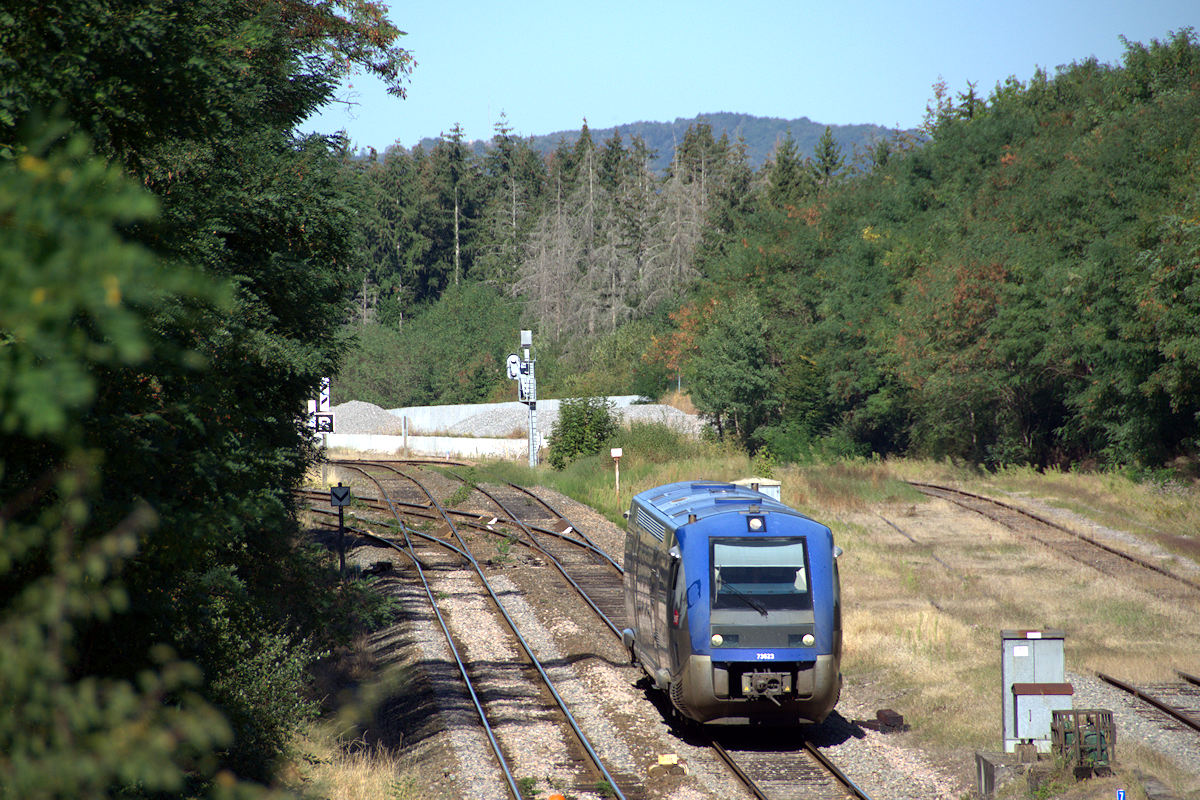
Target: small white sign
1020 651
616 452
514 366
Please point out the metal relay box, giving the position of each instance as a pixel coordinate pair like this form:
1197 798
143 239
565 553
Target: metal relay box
1032 669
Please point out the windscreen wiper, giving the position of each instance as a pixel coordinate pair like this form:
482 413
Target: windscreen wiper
745 598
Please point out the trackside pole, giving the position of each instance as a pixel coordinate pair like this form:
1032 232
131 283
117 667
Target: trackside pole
339 496
522 370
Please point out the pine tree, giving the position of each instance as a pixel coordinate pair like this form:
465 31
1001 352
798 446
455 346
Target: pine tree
788 181
827 161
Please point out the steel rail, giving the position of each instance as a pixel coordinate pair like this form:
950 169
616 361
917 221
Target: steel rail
579 734
557 564
415 461
563 517
462 667
469 518
1052 524
1174 713
366 534
583 541
1189 678
746 780
725 756
833 769
749 783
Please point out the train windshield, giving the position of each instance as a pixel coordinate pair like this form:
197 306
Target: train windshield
762 574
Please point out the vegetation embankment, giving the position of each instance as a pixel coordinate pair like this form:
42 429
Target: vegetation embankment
172 279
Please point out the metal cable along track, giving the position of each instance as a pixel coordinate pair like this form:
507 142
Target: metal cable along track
581 737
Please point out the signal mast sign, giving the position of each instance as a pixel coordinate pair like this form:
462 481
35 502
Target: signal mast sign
320 411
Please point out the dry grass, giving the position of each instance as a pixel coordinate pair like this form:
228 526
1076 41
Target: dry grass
680 400
924 618
352 771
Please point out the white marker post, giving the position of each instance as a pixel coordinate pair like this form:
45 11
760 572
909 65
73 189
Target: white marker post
616 457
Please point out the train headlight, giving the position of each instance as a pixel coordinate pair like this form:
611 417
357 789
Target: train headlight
717 640
756 524
809 640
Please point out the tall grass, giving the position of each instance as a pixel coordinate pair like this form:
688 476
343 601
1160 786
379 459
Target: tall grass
353 771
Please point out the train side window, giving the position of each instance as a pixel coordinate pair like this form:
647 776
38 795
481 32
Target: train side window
678 587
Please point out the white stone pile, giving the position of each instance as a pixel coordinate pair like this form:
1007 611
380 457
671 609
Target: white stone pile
500 420
359 417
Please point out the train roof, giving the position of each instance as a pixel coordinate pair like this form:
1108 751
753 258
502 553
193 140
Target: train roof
675 502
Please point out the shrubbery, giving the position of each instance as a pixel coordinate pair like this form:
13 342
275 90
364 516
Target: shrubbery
583 427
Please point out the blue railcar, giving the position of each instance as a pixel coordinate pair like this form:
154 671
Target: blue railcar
735 603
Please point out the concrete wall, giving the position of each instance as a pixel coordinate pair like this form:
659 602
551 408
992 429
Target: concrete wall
430 445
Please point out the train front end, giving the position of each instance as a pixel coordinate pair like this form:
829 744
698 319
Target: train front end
756 615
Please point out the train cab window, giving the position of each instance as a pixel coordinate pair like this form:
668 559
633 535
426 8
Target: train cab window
761 574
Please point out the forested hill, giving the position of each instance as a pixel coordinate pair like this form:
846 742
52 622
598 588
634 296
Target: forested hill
1020 284
760 134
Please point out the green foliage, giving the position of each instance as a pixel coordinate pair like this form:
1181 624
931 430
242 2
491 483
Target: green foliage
583 426
732 379
527 787
613 365
155 355
453 352
1018 289
76 299
655 442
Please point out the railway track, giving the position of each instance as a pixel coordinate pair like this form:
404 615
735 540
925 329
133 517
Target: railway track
1178 701
1078 546
496 680
769 769
794 769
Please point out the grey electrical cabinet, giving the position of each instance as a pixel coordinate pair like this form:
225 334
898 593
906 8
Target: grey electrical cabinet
1032 670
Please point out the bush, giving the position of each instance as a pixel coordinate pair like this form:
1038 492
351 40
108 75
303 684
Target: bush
582 428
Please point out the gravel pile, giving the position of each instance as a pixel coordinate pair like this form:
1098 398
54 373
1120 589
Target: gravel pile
504 420
359 417
501 420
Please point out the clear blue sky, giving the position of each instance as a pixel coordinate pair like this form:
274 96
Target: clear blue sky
548 65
